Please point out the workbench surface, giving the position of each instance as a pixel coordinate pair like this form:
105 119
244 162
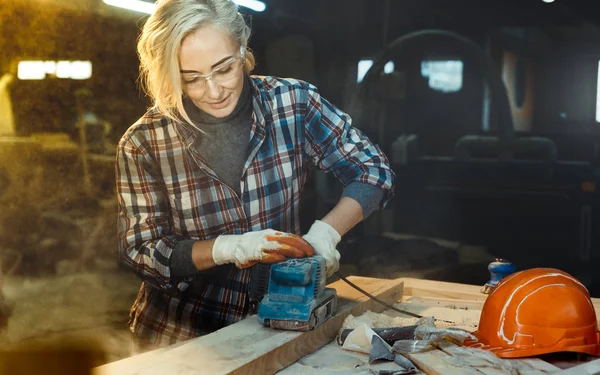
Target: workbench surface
316 352
459 303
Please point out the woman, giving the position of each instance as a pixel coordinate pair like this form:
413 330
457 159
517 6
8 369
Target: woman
209 180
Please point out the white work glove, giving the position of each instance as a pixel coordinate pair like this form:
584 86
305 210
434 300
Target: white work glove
324 239
265 246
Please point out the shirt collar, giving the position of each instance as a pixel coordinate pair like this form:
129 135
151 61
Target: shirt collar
259 102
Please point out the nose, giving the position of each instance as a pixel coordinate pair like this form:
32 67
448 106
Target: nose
213 90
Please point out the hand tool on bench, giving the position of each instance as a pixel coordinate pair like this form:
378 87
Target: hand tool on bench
296 298
499 269
291 295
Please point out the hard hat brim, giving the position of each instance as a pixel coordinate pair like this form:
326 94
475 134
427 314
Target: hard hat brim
508 353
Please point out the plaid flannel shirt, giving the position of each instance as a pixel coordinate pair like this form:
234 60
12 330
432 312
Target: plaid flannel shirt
167 193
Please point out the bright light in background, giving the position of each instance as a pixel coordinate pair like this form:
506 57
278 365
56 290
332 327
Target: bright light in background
81 70
548 1
444 75
135 5
598 96
257 6
365 65
389 67
74 69
146 7
36 70
63 69
50 67
363 68
31 70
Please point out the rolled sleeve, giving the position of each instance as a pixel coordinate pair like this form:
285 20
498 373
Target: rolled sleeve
182 264
368 196
334 145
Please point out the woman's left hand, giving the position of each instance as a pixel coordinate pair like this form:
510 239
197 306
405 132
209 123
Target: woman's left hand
324 239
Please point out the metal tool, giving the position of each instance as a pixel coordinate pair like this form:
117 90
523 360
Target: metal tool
275 288
389 335
499 269
296 298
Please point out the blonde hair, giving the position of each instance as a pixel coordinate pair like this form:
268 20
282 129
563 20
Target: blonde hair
160 41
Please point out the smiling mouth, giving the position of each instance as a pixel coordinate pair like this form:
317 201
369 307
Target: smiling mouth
216 103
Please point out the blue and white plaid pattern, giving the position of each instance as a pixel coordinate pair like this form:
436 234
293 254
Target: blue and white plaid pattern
166 193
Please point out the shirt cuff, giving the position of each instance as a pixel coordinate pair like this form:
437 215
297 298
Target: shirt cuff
368 196
182 264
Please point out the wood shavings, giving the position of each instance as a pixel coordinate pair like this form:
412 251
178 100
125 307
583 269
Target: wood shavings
460 318
465 321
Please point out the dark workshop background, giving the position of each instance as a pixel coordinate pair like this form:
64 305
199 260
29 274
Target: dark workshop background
487 110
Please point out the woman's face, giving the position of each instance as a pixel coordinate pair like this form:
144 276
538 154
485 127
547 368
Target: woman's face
211 51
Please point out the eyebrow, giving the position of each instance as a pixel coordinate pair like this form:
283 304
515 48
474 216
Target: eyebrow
212 67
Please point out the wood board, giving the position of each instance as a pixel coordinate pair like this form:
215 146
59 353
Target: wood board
589 368
248 348
450 359
448 292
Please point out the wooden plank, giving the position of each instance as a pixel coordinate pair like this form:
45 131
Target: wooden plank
540 365
442 289
589 368
248 348
481 364
492 371
448 303
529 366
531 372
447 291
461 318
436 362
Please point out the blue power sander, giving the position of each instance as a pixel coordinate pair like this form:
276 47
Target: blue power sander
292 294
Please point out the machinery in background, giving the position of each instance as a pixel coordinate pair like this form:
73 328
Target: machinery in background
56 194
466 174
292 294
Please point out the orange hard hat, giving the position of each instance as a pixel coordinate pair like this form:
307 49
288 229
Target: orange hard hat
538 311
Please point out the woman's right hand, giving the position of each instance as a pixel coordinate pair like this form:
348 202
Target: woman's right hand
265 246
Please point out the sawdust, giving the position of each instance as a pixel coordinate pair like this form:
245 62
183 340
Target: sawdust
332 360
466 321
447 317
463 319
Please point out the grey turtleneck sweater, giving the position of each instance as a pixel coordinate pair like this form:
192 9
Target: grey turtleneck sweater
225 136
230 136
